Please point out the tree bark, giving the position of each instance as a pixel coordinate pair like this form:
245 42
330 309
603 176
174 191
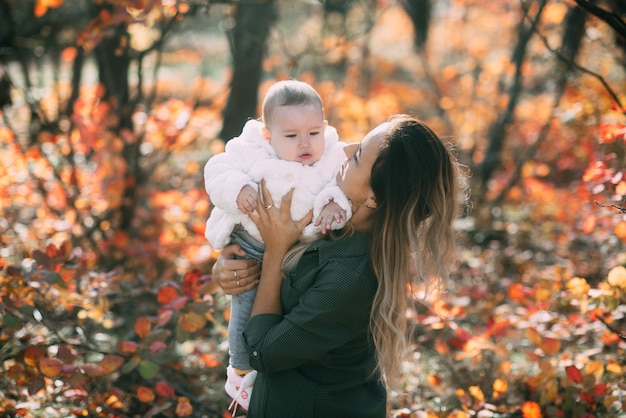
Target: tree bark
253 22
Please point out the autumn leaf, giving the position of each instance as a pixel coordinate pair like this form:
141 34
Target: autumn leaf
145 394
190 284
531 409
617 277
111 362
164 389
126 347
50 367
183 407
191 322
433 379
33 354
93 370
166 294
142 326
533 336
550 345
477 393
500 387
599 389
157 346
574 374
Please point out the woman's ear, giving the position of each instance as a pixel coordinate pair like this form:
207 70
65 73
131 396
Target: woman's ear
370 202
266 133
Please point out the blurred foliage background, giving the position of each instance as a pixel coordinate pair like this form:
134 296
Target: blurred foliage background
110 109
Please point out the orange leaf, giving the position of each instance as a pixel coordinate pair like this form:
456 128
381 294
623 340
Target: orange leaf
574 374
164 389
142 326
433 379
126 347
210 360
550 345
183 408
40 8
620 230
111 362
620 188
533 336
50 367
517 292
191 322
500 387
166 294
145 394
69 54
477 393
589 224
531 409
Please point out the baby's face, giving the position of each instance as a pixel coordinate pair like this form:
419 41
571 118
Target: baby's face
296 133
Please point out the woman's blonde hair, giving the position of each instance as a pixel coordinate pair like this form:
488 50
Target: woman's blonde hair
416 181
419 188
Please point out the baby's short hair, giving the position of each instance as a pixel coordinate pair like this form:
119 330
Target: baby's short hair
287 93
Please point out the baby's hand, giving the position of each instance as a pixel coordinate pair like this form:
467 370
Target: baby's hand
246 200
330 213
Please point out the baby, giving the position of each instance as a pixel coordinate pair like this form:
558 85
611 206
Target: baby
292 148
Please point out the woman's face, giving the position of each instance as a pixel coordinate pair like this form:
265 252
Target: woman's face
354 177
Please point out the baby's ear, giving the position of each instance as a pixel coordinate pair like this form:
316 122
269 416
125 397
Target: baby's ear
266 133
325 124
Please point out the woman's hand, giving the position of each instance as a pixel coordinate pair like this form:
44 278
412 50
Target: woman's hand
278 230
235 276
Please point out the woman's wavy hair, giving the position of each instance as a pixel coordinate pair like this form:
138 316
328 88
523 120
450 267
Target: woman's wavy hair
418 185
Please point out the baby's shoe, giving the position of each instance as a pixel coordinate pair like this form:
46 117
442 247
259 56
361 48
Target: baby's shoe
239 388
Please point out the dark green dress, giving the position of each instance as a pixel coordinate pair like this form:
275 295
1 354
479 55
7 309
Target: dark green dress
317 360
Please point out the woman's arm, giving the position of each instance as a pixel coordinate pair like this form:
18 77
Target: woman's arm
279 233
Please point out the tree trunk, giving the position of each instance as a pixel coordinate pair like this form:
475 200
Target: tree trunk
497 133
419 12
253 22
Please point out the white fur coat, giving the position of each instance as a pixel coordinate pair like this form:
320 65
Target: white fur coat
249 158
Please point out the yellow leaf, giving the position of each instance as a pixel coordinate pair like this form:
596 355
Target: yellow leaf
554 13
500 387
617 277
477 393
594 368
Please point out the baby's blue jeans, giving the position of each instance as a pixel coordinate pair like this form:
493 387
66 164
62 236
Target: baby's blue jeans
241 304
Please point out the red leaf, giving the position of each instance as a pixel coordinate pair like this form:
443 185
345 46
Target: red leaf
164 389
190 284
574 374
599 389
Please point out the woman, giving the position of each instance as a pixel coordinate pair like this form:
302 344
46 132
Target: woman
327 335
